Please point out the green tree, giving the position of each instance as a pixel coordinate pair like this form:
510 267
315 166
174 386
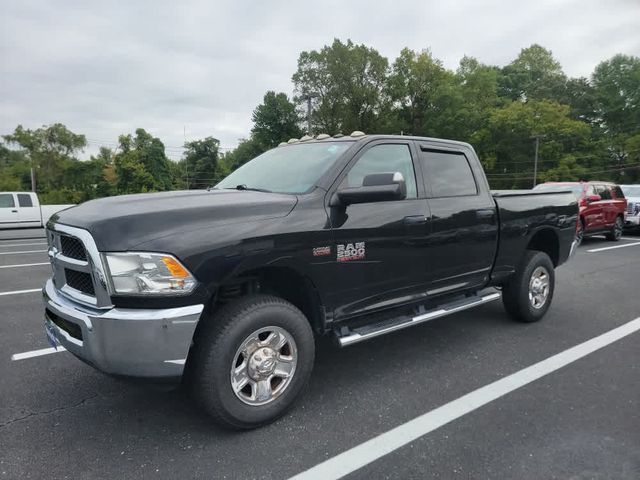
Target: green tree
141 164
346 85
508 137
617 94
424 95
275 120
48 150
199 167
533 75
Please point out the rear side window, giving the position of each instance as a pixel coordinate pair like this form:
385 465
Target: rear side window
603 191
448 174
24 200
389 158
6 200
617 191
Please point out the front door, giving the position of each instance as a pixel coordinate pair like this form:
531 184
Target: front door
9 216
380 246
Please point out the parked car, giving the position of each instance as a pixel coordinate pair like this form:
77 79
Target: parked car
23 209
352 237
632 194
602 207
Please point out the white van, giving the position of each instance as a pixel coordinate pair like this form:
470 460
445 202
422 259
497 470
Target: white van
23 209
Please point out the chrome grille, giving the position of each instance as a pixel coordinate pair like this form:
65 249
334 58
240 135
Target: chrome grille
77 267
72 248
81 281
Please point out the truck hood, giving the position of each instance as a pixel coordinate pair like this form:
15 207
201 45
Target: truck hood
122 222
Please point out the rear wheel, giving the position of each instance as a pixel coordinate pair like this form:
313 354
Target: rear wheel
252 360
528 294
616 231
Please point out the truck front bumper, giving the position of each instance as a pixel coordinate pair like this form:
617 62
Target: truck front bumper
632 220
131 342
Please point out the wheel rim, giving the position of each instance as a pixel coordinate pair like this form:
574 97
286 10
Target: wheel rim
264 365
617 229
539 285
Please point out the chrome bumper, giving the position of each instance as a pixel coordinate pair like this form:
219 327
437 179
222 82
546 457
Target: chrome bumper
132 342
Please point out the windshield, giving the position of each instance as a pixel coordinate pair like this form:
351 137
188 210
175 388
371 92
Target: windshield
289 169
576 189
631 190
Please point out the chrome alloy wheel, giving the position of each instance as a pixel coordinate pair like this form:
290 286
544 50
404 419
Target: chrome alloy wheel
539 287
264 365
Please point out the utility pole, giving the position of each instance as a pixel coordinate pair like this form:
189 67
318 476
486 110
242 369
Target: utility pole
33 179
535 160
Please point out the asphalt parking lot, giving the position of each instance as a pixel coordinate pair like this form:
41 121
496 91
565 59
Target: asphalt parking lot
61 419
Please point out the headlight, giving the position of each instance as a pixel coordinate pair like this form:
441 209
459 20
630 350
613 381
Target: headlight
141 273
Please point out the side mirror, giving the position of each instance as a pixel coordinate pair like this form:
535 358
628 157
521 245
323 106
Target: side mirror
593 198
376 187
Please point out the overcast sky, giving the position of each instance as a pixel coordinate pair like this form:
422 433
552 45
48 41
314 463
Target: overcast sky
105 68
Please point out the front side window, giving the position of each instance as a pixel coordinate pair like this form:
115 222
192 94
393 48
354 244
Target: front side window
288 169
389 158
24 200
6 200
449 174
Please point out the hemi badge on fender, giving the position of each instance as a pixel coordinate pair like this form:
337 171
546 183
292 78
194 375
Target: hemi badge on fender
321 251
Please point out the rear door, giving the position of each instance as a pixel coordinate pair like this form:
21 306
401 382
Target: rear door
464 223
380 247
29 212
608 205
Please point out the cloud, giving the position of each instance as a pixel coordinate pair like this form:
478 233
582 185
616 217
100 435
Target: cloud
106 68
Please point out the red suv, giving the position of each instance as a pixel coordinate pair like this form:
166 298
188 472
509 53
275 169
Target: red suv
602 207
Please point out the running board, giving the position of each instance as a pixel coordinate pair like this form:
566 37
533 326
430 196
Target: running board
366 332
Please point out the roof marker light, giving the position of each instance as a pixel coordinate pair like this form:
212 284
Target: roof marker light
322 136
293 140
357 133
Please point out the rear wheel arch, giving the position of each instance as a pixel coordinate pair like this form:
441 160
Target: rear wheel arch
546 240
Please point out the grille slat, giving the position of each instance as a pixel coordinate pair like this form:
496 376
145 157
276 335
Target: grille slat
72 248
81 281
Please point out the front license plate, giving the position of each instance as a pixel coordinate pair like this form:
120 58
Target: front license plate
51 338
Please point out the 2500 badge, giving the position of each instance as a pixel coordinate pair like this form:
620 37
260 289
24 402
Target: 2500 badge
351 251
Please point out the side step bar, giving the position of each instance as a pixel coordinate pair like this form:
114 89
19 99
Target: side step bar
382 328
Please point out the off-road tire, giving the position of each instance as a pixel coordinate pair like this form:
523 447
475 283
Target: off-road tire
515 294
216 345
615 233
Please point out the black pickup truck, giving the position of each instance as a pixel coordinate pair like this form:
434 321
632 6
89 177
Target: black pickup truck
351 237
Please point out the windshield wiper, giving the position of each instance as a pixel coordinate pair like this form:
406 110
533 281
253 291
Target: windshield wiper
252 189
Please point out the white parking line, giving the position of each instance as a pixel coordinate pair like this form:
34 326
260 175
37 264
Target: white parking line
22 244
25 265
36 353
371 450
23 251
594 250
16 292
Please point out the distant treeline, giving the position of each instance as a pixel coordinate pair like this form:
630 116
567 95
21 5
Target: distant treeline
588 128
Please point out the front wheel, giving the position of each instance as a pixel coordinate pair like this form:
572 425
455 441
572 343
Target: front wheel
251 361
528 294
616 231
